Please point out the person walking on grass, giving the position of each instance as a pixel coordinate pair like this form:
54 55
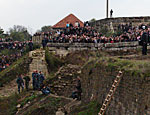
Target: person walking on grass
27 80
20 83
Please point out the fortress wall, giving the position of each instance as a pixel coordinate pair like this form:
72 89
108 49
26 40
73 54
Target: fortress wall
93 46
114 22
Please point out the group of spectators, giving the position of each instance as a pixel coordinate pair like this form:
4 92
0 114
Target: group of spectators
87 34
6 39
12 45
134 33
6 61
14 51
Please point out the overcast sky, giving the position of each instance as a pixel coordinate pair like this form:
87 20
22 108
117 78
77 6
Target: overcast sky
34 14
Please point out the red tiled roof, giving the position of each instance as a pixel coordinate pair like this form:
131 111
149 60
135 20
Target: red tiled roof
70 19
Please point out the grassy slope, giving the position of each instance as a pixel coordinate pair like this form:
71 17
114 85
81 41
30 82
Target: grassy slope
8 105
39 104
49 106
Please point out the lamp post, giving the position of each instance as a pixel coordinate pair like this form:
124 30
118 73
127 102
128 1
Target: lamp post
107 8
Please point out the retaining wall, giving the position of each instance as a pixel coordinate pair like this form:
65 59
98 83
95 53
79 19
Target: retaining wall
93 46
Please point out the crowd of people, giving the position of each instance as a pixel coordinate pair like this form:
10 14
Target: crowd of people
86 34
12 45
6 39
15 49
6 61
77 34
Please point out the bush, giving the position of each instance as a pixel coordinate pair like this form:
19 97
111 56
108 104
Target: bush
53 62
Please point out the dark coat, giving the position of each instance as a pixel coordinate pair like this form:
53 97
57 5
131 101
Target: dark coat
19 81
145 38
27 79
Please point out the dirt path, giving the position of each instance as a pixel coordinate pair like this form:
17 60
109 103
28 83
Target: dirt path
38 63
8 89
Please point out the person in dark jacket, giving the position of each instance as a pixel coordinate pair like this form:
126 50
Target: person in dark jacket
27 80
37 83
74 94
41 79
45 90
44 42
79 89
20 83
34 80
30 45
144 42
148 33
111 13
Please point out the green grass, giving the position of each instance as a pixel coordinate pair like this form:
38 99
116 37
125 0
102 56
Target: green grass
28 99
48 106
113 64
8 104
129 65
53 62
90 109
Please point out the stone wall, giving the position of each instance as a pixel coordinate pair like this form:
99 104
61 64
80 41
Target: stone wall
93 46
112 23
131 96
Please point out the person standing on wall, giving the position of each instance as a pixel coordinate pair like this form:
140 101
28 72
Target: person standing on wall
30 45
144 41
111 13
148 35
44 43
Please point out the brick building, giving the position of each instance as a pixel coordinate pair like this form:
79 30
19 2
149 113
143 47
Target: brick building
69 19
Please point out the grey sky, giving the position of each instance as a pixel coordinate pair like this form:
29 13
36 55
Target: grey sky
34 14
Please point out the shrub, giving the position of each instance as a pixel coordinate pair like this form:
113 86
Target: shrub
53 62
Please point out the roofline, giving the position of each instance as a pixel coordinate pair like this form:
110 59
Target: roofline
64 18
